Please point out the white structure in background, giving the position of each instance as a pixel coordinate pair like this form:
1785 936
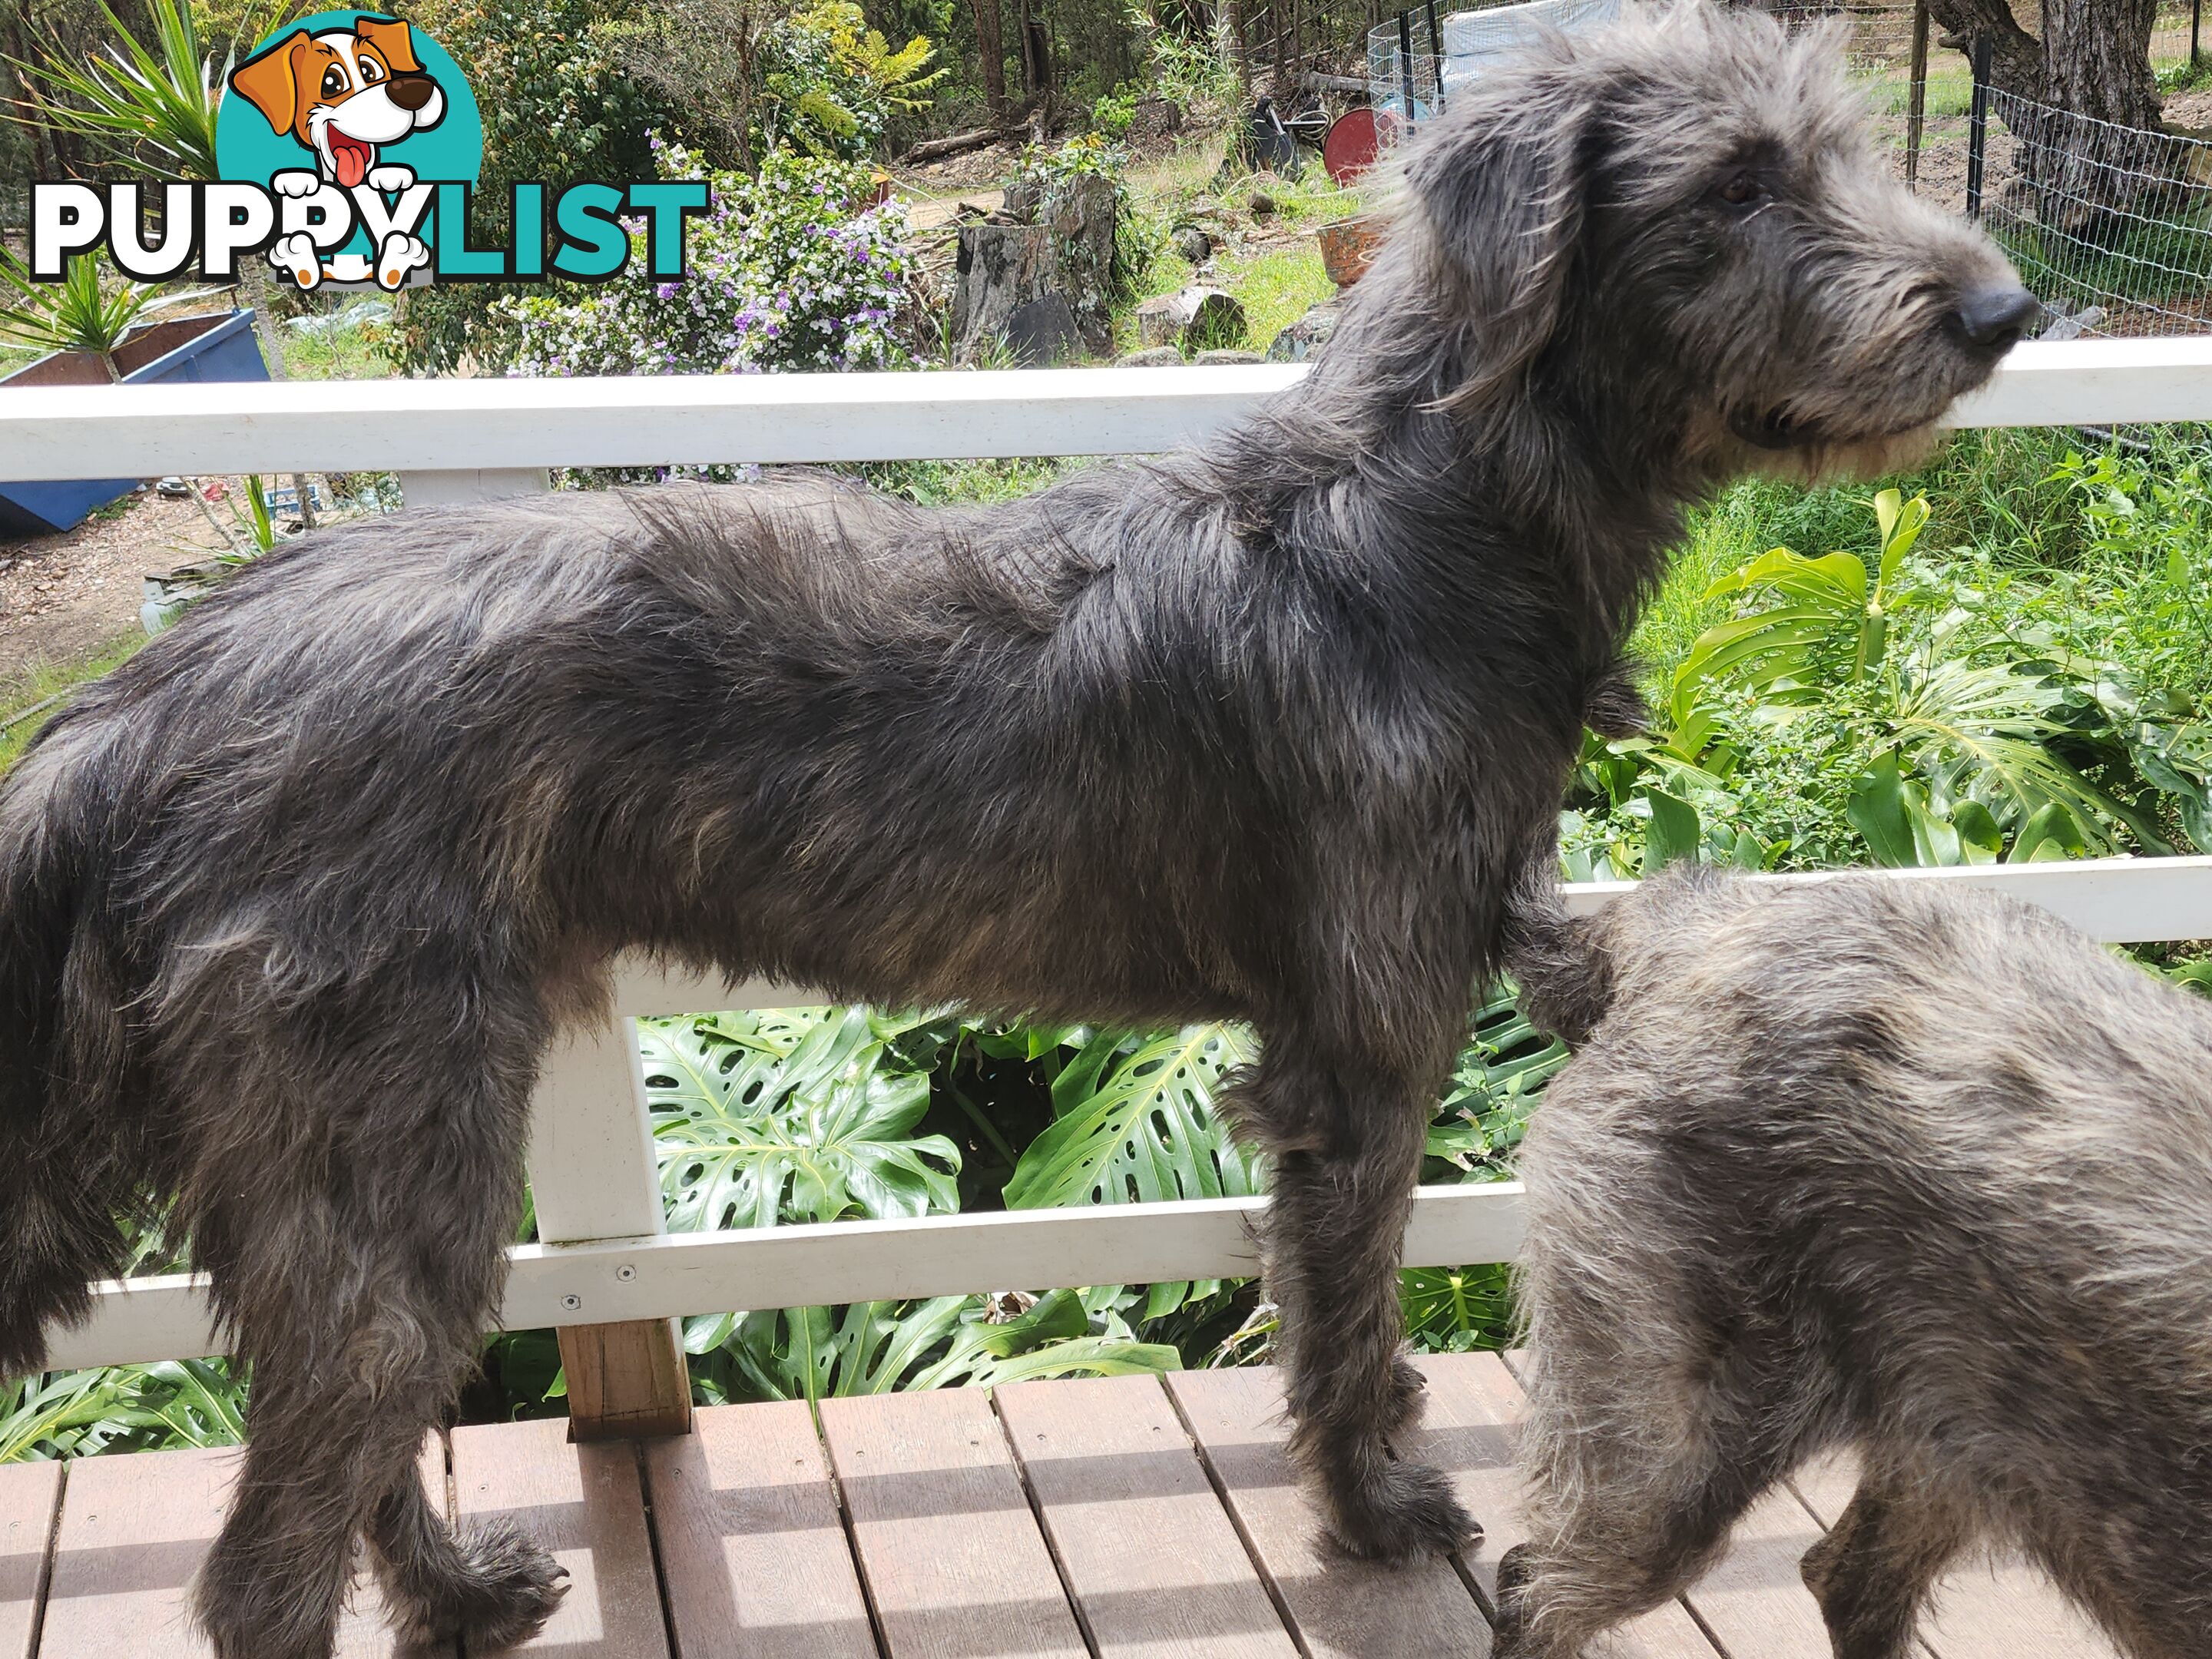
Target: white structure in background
1473 41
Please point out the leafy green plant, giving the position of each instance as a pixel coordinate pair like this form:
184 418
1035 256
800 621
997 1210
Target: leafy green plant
82 311
791 1115
160 99
831 83
876 1347
173 1403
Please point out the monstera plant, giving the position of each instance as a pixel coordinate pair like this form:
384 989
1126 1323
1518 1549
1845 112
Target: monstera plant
808 1115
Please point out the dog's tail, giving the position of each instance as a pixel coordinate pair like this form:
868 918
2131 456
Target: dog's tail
60 1055
1561 962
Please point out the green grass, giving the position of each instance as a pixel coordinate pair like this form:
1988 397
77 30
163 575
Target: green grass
360 353
52 679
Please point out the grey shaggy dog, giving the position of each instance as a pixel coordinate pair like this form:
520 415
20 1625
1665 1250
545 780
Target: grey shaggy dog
1877 1164
290 905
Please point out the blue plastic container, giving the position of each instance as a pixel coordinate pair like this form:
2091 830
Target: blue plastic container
185 350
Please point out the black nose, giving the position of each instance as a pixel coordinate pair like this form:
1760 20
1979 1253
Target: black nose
1994 318
412 91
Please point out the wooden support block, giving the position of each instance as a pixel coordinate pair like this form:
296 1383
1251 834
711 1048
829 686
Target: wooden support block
1153 1563
584 1505
1340 1608
753 1552
953 1562
626 1381
30 1493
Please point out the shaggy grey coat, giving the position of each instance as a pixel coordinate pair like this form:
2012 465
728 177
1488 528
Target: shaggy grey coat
1885 1165
291 904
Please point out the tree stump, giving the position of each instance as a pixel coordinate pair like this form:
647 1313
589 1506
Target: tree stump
1062 248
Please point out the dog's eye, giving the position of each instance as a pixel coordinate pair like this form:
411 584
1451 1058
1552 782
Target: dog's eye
1743 190
334 81
371 71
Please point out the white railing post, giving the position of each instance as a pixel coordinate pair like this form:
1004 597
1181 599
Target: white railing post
593 1178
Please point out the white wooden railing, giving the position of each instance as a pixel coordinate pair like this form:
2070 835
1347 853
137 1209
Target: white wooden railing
608 1275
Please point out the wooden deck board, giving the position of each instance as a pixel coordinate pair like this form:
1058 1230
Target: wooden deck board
954 1563
753 1550
1120 1517
1340 1607
1154 1567
30 1494
584 1504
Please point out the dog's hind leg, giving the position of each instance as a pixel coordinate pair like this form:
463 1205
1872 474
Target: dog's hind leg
1873 1571
359 1260
1347 1151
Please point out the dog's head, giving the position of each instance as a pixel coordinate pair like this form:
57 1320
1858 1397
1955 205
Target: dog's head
344 93
1689 205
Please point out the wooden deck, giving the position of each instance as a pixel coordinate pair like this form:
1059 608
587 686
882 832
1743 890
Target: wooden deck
1120 1517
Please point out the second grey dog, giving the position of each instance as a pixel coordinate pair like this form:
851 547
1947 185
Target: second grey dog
291 905
1878 1163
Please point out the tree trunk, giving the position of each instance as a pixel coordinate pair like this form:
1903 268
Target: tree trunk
2062 98
2097 55
1037 54
990 47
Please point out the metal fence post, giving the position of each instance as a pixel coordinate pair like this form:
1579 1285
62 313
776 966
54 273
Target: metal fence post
1977 127
1406 65
2195 35
1917 112
1436 54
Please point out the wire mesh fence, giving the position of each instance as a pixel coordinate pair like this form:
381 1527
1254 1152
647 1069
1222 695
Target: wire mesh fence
2110 226
1415 58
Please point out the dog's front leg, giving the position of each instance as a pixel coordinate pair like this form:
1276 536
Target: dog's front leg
1347 1139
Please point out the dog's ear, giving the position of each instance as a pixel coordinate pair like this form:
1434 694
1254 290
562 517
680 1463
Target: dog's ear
270 83
393 41
1499 180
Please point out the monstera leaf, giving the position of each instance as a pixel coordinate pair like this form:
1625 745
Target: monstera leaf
879 1347
791 1115
1138 1125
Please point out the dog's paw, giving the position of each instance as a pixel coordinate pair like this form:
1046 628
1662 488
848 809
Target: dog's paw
1402 1512
391 178
400 254
1515 1571
504 1589
298 256
295 181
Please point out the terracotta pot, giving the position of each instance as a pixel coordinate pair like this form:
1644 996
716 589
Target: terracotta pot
1348 246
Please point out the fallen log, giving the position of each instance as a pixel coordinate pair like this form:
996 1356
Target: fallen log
935 150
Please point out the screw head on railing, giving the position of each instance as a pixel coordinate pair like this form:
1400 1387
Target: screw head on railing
572 1302
625 1272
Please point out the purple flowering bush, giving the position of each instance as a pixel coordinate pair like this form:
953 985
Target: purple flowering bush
794 270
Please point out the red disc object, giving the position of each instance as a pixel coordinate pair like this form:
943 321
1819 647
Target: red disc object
1354 141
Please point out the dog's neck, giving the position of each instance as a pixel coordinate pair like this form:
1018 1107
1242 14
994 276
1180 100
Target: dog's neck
1589 488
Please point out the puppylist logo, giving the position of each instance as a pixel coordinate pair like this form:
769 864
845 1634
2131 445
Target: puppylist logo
349 145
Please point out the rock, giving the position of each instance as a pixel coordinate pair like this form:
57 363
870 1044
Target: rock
1193 243
1198 319
1303 338
2074 327
1150 357
1263 205
1226 357
1043 333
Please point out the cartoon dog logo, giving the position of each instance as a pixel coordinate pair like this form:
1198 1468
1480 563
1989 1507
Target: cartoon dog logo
342 94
